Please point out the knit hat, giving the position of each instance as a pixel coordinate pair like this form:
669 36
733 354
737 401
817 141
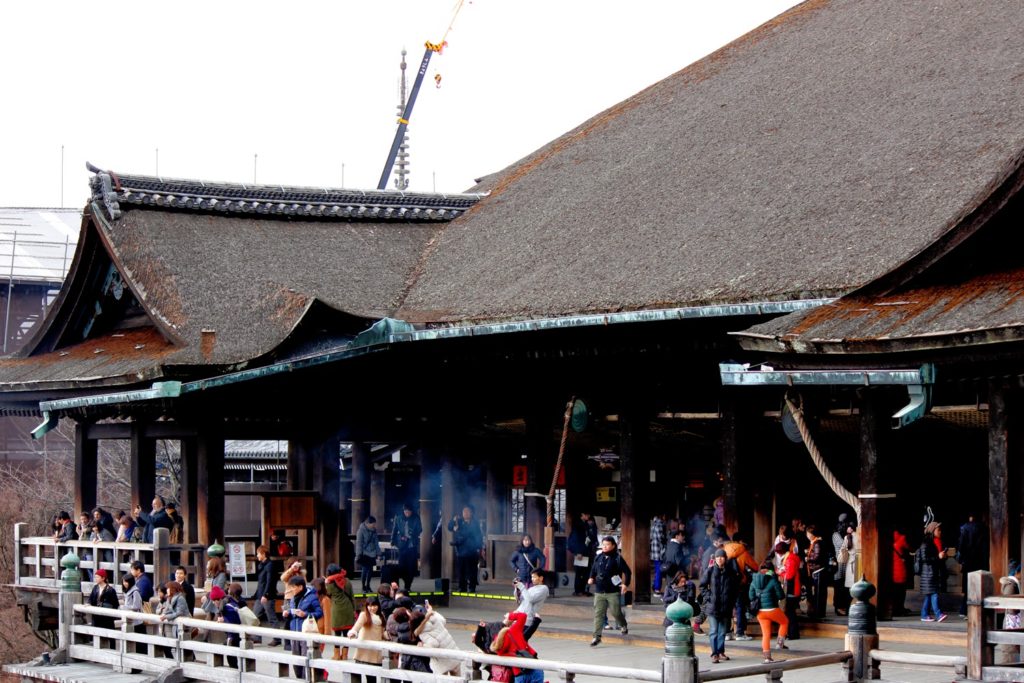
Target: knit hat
721 553
930 527
102 573
216 593
843 517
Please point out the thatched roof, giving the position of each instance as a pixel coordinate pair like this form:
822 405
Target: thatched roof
813 155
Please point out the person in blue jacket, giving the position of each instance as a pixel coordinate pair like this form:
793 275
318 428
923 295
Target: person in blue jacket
302 602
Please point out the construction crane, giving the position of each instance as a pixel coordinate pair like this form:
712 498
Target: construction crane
403 119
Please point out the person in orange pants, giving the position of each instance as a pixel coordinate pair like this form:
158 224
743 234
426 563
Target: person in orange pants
765 594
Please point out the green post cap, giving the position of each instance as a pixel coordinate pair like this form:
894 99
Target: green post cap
70 561
863 590
216 550
679 636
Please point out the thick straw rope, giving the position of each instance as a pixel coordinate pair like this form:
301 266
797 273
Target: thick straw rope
830 479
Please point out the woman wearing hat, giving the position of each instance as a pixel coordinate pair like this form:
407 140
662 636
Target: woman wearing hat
928 565
103 595
718 584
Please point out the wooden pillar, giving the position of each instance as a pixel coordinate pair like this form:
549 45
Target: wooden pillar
635 502
999 443
378 497
497 493
189 489
360 507
86 471
730 440
327 482
449 492
210 485
875 518
430 513
299 470
541 463
764 532
143 468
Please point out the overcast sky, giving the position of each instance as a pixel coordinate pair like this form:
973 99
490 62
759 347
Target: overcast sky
312 87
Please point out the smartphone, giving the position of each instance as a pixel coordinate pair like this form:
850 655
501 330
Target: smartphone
426 603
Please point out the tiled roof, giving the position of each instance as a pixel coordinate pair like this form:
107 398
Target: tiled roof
114 189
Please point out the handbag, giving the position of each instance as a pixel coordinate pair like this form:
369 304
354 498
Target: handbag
248 617
844 554
501 674
309 625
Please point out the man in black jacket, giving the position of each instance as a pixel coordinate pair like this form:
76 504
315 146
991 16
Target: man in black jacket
406 530
718 583
266 587
610 577
468 539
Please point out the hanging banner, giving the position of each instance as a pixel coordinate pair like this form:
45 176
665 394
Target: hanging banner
520 475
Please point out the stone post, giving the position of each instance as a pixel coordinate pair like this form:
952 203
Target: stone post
70 595
679 665
862 634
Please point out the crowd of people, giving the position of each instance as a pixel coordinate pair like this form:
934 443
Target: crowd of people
700 564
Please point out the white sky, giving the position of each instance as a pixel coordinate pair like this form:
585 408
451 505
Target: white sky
310 86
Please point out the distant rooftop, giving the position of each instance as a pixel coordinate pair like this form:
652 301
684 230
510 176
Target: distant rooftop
37 245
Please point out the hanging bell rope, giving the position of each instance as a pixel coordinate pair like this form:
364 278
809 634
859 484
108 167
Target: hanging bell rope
798 416
558 463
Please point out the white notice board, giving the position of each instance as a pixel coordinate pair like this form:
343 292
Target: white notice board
236 558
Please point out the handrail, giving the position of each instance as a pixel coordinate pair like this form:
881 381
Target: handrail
784 665
916 658
464 656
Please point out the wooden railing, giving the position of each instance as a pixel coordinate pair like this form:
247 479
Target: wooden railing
37 559
956 662
170 645
982 634
773 670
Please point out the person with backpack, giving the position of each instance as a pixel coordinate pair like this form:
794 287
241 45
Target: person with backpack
765 593
928 565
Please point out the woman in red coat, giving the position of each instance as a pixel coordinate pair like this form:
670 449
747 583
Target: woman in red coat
789 573
902 553
511 643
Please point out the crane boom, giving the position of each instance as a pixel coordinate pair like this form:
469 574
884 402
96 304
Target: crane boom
403 121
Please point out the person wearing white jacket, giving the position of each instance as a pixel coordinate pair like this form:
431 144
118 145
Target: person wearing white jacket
533 599
433 633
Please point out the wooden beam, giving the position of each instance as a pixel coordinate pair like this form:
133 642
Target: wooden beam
875 524
327 482
635 502
86 470
378 493
449 490
210 486
189 489
730 436
360 485
299 471
999 438
143 468
541 464
430 513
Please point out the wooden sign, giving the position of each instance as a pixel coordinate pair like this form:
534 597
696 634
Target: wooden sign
606 494
520 475
292 512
